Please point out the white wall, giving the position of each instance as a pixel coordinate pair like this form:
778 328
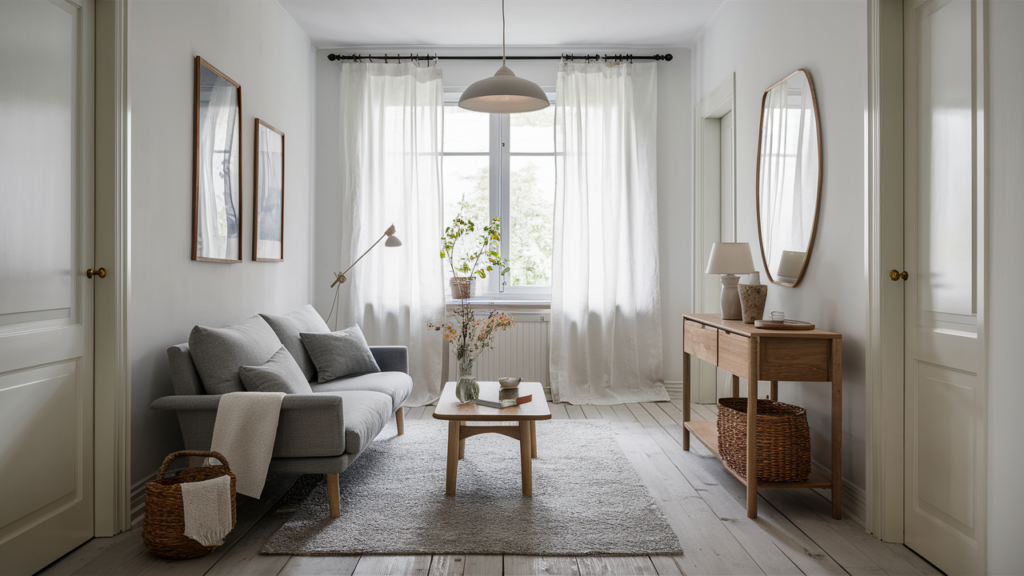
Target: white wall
1005 148
762 42
674 159
260 47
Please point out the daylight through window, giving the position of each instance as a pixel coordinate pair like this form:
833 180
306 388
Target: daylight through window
503 165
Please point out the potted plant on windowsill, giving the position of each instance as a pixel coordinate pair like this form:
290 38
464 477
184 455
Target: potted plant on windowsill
468 335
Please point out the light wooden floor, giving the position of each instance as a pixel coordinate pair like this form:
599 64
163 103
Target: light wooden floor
793 534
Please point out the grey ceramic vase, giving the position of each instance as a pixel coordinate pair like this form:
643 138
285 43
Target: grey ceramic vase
752 300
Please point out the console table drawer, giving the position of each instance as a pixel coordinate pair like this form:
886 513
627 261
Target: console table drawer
734 354
701 341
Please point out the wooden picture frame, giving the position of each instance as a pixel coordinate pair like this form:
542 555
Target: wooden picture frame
268 194
216 166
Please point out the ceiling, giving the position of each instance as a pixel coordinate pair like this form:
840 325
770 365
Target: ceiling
619 23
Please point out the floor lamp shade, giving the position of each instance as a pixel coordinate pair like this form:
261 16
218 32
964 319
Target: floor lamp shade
730 259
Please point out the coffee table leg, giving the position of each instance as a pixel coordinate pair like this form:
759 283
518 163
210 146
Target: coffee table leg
453 456
462 442
525 443
533 438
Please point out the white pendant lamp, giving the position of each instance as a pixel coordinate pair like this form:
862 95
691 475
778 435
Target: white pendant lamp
503 93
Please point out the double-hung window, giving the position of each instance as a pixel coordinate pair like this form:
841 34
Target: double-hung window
503 165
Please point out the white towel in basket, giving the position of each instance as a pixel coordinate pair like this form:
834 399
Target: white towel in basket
207 510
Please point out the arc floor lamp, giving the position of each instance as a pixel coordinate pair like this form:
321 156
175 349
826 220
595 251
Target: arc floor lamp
339 277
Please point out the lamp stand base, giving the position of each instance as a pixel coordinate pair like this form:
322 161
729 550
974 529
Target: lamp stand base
731 309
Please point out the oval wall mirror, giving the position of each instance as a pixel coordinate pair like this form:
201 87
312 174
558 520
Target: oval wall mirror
788 177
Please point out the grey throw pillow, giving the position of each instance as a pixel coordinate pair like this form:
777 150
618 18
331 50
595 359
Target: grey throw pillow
279 374
288 328
339 354
218 353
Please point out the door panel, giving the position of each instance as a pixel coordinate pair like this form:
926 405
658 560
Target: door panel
46 321
945 393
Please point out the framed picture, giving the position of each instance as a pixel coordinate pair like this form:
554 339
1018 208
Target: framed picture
268 214
216 166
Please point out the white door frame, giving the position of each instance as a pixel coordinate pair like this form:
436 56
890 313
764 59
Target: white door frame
883 220
112 388
707 193
884 370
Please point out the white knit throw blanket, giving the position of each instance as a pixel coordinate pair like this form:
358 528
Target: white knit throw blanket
244 433
207 510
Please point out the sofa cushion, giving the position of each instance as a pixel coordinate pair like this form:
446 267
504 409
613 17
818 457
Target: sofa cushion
339 354
218 353
397 385
288 328
279 374
365 413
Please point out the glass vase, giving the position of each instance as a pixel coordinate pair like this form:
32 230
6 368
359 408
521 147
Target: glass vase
467 389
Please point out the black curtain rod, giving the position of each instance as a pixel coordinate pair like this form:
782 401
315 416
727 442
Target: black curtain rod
400 57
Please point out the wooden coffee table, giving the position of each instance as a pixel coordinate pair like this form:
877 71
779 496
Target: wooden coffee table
449 408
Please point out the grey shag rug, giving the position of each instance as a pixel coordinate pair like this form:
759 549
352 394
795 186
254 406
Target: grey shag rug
587 499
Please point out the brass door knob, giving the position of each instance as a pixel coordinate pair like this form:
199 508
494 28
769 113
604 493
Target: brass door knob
895 275
102 273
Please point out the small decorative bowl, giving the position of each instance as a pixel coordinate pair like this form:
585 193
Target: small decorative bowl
509 382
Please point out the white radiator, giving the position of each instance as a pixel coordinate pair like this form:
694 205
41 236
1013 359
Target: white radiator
520 351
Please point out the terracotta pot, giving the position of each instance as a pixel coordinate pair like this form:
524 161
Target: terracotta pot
462 287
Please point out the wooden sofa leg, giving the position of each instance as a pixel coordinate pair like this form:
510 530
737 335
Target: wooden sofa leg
400 420
334 495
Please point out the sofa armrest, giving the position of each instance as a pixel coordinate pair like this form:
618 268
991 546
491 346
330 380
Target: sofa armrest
310 426
391 358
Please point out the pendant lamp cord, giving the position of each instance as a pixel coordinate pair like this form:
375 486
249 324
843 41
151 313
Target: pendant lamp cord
502 32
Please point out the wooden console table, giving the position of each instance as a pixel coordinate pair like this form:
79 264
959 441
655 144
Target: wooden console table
774 356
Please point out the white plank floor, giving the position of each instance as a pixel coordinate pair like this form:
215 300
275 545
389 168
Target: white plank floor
793 534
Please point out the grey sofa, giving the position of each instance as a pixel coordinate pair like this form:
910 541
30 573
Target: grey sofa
319 433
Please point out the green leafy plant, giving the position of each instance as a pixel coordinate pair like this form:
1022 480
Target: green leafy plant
478 261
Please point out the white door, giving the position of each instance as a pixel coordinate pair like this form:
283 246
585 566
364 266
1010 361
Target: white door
46 302
943 211
727 228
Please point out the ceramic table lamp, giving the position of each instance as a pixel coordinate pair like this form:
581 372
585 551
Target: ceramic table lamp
730 259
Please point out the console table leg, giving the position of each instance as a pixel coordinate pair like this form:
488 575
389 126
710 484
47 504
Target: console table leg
775 391
753 367
837 428
752 448
453 456
735 386
686 400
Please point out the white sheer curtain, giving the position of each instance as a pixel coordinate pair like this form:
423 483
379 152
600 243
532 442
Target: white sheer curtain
606 301
390 173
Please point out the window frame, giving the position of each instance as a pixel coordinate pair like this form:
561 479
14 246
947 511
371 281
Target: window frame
500 155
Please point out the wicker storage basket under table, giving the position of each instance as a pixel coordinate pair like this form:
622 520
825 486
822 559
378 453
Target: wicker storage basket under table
163 529
783 439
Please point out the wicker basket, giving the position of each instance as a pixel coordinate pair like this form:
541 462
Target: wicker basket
783 439
163 528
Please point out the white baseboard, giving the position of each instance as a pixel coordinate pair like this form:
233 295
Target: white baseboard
138 499
674 389
855 499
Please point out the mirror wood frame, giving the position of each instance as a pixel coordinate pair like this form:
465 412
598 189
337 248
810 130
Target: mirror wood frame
200 63
256 192
757 179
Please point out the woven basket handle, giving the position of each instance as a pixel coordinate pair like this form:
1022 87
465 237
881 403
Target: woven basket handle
182 453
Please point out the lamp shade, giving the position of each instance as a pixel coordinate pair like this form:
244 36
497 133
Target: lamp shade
392 241
791 264
730 258
504 93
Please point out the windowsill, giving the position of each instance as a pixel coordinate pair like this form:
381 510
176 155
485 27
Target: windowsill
502 302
